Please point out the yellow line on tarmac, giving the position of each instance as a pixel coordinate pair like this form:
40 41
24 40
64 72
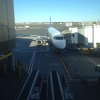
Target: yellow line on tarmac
65 67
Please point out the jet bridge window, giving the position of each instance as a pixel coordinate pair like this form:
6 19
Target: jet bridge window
59 38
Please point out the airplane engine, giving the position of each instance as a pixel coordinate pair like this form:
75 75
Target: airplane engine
39 42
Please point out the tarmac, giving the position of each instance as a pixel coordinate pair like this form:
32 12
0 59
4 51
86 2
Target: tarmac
45 59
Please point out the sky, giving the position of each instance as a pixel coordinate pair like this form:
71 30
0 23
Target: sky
59 10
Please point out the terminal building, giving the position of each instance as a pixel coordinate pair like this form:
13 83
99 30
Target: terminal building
7 32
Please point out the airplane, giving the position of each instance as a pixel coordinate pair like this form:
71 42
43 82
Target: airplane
56 37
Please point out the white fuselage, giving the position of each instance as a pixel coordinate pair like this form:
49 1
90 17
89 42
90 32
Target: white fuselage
57 38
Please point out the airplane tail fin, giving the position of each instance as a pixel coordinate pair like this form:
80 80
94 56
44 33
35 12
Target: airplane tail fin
50 21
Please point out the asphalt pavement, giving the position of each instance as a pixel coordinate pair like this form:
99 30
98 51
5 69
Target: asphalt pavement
45 59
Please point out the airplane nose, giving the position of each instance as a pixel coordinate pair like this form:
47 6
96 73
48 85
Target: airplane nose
61 44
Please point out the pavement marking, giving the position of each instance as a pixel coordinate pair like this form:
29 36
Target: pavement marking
32 50
22 51
17 44
48 48
32 62
92 89
27 77
65 67
85 80
29 72
23 86
91 60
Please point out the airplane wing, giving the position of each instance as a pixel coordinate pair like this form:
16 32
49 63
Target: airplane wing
42 37
27 35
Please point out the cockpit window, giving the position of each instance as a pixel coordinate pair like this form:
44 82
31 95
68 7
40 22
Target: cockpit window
59 38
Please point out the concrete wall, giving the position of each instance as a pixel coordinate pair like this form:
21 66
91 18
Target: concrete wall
96 35
88 33
7 25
